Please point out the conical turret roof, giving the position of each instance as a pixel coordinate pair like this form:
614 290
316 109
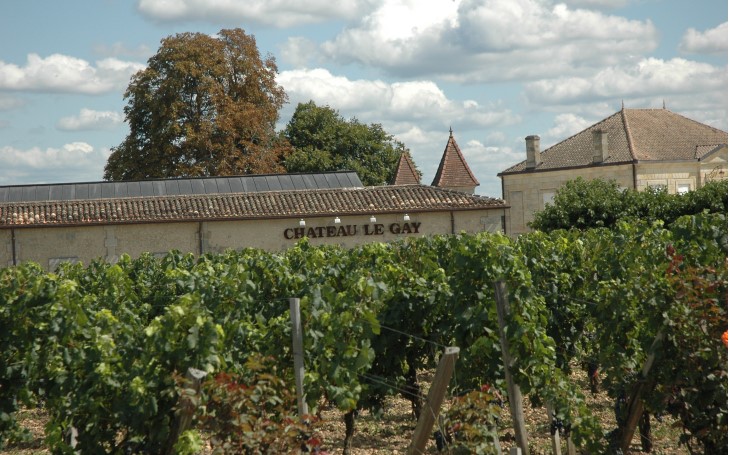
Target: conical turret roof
453 172
406 173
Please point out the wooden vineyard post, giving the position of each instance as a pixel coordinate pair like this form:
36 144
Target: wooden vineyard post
298 350
436 394
636 405
571 447
555 434
186 407
514 394
555 437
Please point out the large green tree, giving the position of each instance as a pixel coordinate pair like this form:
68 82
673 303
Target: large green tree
203 106
325 141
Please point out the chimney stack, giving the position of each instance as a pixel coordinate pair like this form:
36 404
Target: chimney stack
533 151
600 146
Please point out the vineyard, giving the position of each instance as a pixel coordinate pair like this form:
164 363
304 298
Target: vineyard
105 348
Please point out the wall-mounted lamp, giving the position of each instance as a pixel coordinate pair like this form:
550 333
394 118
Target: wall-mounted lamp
337 220
406 217
302 223
373 219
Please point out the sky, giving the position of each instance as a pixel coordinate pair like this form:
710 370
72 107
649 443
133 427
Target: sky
494 71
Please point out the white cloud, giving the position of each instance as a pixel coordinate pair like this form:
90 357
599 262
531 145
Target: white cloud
277 13
496 136
486 159
565 126
399 102
76 161
337 91
297 51
417 113
648 77
89 120
712 41
607 4
490 40
59 73
38 158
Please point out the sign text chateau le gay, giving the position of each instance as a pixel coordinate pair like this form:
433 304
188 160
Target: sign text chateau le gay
351 230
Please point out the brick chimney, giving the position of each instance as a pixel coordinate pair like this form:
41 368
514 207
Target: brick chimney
600 146
533 151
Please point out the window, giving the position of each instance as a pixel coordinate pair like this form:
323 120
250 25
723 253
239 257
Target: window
683 188
547 197
53 263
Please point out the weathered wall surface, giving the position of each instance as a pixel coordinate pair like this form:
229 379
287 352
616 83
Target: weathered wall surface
48 246
529 192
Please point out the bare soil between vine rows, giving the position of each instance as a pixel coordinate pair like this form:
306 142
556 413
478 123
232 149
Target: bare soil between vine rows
391 432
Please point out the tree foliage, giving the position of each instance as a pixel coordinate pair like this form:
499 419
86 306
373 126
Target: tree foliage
325 141
203 106
584 204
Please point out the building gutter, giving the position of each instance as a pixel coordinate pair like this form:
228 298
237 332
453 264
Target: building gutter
12 241
565 168
633 171
453 226
200 238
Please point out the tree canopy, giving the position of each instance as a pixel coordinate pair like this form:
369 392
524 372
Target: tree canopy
324 141
584 204
203 106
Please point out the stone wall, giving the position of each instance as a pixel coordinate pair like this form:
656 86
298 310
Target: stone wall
527 193
48 246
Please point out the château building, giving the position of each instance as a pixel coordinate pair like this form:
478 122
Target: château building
80 222
638 148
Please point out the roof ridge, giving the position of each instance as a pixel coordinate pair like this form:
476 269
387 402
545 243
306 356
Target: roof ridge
712 149
695 121
603 120
239 206
635 134
627 130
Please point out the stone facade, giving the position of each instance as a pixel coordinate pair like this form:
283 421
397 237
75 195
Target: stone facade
49 245
528 193
638 149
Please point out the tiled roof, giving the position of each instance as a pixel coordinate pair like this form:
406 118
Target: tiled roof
453 172
259 205
405 173
179 186
633 135
704 151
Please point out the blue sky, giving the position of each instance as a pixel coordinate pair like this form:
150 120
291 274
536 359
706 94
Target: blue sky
493 70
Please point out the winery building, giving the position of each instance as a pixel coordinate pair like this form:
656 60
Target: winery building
638 148
80 222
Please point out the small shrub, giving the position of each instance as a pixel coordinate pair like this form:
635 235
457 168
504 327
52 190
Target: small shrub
470 426
255 413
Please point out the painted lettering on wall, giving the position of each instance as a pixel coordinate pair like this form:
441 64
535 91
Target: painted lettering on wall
348 230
